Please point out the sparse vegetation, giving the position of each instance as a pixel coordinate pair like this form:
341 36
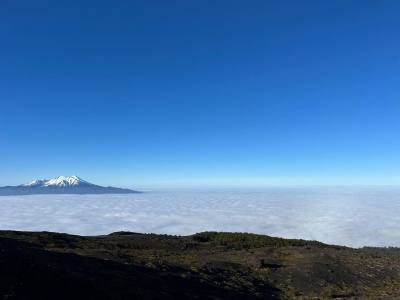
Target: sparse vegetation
208 265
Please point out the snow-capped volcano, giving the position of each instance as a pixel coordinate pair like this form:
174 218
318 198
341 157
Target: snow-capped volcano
60 181
61 185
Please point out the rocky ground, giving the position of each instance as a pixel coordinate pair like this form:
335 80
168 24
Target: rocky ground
209 265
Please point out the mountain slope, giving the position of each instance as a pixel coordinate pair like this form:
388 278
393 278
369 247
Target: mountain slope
209 265
61 185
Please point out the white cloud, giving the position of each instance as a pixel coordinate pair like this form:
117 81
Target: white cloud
346 216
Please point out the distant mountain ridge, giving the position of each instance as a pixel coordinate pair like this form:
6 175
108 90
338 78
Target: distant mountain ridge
61 185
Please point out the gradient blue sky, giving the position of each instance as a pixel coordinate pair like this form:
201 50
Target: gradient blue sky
200 93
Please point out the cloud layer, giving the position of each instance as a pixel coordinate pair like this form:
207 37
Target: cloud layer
353 217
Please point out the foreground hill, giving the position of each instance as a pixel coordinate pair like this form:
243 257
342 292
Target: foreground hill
209 265
61 185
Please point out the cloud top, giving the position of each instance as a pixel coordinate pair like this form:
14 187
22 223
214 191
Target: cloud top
346 216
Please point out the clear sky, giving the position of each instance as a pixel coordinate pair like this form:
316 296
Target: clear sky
199 93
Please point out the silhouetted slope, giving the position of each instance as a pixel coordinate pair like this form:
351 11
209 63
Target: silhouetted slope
203 266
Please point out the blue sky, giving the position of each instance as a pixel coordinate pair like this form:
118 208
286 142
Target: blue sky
200 93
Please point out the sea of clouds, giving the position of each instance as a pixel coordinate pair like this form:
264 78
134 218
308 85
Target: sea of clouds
346 216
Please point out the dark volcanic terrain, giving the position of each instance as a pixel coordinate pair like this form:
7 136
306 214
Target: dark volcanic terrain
124 265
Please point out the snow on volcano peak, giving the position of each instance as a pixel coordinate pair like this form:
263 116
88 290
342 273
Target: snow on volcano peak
36 182
64 181
60 181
